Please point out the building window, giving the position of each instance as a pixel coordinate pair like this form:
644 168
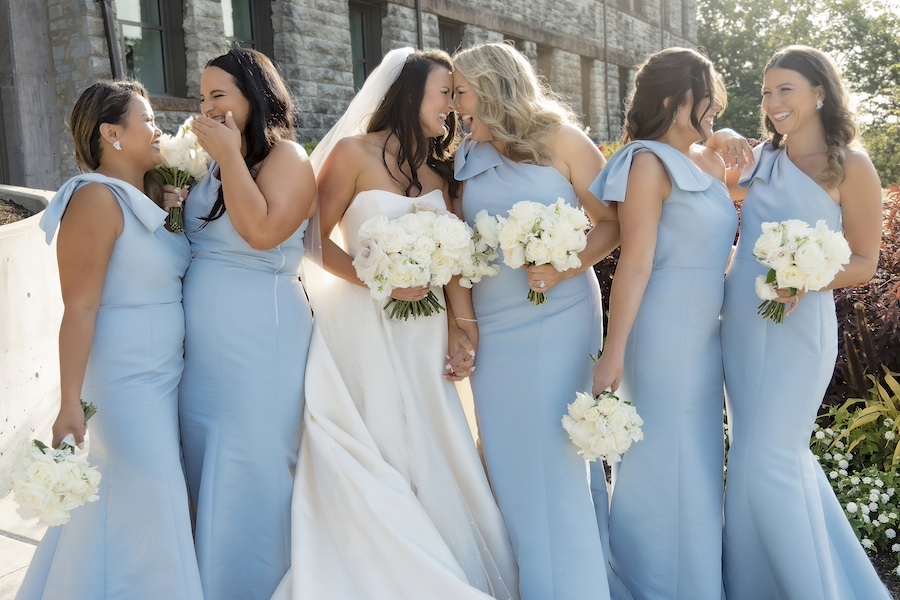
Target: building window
365 40
248 24
545 62
153 43
632 6
451 36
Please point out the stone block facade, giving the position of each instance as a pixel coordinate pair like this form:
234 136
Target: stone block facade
587 51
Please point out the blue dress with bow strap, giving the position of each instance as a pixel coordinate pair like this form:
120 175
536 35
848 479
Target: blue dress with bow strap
786 535
531 361
135 541
665 521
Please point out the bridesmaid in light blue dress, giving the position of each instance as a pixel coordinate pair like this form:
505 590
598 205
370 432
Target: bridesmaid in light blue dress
532 360
678 223
121 347
248 327
786 535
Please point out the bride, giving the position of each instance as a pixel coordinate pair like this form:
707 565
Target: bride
390 498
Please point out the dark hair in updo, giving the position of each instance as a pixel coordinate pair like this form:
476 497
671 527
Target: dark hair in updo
103 102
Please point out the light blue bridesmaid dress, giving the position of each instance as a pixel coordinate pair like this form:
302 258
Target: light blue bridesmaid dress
665 520
241 398
531 361
786 536
134 543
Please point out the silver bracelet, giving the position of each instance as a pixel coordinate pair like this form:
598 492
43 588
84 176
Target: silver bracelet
466 320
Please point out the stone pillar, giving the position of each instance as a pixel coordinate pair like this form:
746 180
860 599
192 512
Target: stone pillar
599 122
565 78
312 46
204 39
398 27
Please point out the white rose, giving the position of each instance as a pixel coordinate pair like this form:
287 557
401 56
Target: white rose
790 277
393 238
487 227
618 419
593 414
400 273
418 224
514 257
816 281
370 260
508 234
453 235
32 499
68 476
536 252
422 250
835 247
765 291
602 445
623 441
779 259
794 229
809 257
526 213
581 404
43 472
372 228
768 242
607 403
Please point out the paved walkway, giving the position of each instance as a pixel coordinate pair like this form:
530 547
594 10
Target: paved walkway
18 539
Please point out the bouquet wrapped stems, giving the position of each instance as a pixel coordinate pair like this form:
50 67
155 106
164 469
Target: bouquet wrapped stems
770 309
402 309
178 179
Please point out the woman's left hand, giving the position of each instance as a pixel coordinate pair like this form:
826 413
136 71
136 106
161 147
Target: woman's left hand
785 297
218 139
462 343
734 148
174 197
542 278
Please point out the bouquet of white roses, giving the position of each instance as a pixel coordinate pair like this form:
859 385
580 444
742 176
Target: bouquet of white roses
537 234
603 427
48 483
799 257
424 247
480 260
184 161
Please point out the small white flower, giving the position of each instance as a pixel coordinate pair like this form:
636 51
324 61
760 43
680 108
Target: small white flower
833 475
888 422
873 506
843 472
867 480
895 547
892 515
820 435
889 435
852 507
879 482
864 509
843 464
827 456
839 445
854 480
867 543
882 518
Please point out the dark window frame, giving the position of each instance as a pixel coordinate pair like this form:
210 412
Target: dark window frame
371 34
449 34
262 30
172 28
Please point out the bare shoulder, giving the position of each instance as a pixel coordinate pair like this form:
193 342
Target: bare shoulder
287 150
570 138
858 163
93 196
648 164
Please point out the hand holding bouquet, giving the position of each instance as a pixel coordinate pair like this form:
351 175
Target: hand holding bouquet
538 234
799 257
48 483
602 427
184 162
424 247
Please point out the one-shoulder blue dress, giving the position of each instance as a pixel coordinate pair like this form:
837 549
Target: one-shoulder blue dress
665 523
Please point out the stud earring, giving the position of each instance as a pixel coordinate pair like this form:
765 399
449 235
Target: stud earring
819 104
117 145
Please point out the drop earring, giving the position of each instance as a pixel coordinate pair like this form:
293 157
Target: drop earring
819 104
117 145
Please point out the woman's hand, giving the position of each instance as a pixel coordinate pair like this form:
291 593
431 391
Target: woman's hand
792 300
542 278
174 197
607 373
734 148
462 344
70 420
411 294
218 139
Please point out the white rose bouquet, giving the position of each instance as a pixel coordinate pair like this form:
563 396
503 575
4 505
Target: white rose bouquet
799 257
537 234
603 427
184 161
48 483
480 261
424 247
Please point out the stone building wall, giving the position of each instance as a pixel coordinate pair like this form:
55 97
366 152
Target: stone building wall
584 46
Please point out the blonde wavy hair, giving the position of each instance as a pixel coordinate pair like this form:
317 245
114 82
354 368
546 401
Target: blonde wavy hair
838 119
519 109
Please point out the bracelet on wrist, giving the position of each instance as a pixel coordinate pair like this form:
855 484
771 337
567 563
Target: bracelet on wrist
466 320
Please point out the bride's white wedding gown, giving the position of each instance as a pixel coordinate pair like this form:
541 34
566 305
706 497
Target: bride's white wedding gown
390 497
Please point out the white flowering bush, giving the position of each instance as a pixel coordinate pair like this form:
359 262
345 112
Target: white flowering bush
424 247
799 257
602 427
867 492
48 483
538 234
184 161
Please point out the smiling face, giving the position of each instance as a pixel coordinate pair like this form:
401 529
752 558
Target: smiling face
220 94
138 135
437 102
466 102
705 112
789 100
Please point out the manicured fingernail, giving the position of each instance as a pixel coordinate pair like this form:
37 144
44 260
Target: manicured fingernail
447 367
81 445
471 353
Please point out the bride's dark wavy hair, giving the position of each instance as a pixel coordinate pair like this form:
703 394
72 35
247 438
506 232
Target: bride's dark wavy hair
838 120
271 117
398 115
